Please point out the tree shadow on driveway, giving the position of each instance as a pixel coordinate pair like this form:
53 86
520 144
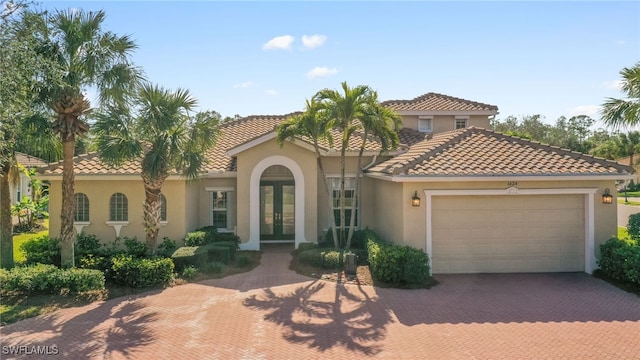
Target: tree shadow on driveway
117 327
325 315
513 298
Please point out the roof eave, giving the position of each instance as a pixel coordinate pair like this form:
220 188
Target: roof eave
510 177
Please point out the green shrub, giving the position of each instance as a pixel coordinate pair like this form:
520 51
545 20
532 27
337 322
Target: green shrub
42 250
43 278
139 273
166 247
188 255
189 272
233 247
222 254
87 245
307 246
225 237
196 238
322 258
401 265
620 260
214 267
135 248
633 226
243 260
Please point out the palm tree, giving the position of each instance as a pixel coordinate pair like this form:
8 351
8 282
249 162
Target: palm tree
629 145
618 113
343 111
163 136
312 125
87 57
383 124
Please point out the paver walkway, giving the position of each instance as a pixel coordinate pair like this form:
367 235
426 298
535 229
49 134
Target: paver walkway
273 313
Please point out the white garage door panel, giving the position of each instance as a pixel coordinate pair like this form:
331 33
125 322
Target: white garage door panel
525 233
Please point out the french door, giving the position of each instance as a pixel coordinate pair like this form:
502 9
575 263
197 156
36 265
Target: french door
277 210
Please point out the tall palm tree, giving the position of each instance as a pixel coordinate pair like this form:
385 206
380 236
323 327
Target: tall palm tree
629 144
313 125
87 57
382 124
618 113
343 110
163 136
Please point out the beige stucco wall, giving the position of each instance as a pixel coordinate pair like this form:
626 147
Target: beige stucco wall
305 159
412 230
441 123
204 200
99 192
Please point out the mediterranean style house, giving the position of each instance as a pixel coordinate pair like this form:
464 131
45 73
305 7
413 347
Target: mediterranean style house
473 199
23 187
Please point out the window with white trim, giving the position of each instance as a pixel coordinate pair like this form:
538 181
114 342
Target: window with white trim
349 198
219 209
81 207
425 124
461 122
118 207
163 207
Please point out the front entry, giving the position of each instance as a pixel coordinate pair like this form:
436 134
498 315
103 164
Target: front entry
277 211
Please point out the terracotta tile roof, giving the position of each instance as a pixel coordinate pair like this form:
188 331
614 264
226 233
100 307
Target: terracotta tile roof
438 102
29 161
86 164
232 134
480 152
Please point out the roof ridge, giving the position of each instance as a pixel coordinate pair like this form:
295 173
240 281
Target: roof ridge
561 150
449 97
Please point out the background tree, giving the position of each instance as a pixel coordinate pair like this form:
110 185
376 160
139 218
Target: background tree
21 120
313 125
617 113
163 137
88 57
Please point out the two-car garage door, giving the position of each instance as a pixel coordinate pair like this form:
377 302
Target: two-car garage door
523 233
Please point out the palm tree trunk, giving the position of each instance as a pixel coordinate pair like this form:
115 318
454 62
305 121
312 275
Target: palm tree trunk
352 223
67 237
151 209
6 224
332 218
342 180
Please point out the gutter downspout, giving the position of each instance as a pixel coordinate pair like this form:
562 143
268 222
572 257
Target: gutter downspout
375 158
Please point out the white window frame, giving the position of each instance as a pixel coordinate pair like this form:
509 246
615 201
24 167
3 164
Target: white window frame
85 202
125 208
163 208
350 185
461 118
227 209
422 120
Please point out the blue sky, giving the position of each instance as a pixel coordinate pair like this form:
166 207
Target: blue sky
548 58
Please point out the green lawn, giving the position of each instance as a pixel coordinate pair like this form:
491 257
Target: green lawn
629 194
18 240
632 203
622 232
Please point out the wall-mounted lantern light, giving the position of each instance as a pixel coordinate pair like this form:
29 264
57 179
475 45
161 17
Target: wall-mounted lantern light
607 198
415 199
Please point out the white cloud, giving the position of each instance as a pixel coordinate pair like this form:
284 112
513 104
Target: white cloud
279 42
613 85
313 41
589 110
321 71
246 84
271 92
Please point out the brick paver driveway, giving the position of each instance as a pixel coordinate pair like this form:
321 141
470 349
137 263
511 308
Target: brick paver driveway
272 313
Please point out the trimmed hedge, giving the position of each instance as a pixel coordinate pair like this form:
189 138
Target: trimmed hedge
43 278
200 256
395 264
209 235
620 259
633 226
139 273
322 258
42 250
195 238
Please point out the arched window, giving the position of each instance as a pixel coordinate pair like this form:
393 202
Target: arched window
82 208
163 208
118 207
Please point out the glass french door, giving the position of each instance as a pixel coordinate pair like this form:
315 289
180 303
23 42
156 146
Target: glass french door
277 210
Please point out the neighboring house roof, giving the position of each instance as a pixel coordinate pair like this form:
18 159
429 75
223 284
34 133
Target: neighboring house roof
29 161
480 152
90 164
438 102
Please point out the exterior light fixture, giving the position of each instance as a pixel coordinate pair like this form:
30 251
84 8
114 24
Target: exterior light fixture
415 199
607 198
